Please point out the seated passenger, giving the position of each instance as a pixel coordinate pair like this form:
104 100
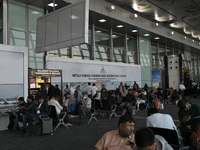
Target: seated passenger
68 100
15 118
187 112
41 109
141 99
146 140
156 119
111 98
160 95
121 139
85 107
54 102
26 109
127 100
144 92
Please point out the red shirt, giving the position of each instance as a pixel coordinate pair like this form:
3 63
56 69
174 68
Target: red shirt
136 95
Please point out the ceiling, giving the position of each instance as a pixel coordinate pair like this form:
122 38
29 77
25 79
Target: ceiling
182 16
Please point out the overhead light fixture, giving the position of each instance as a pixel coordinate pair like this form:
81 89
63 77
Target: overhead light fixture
35 12
134 16
171 33
155 24
127 38
98 31
146 34
192 41
120 26
134 31
111 8
102 20
52 4
156 38
113 35
184 37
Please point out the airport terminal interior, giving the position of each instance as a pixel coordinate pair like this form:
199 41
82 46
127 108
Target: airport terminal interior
154 43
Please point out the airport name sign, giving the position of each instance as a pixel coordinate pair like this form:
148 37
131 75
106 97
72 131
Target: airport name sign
45 73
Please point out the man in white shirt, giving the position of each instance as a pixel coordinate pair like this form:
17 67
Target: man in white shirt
85 107
94 89
59 108
156 119
89 90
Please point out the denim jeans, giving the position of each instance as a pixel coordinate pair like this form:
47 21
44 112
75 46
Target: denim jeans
124 104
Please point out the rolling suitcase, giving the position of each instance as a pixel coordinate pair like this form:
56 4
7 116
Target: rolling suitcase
47 126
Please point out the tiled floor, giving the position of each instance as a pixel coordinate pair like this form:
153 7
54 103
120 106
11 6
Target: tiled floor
78 137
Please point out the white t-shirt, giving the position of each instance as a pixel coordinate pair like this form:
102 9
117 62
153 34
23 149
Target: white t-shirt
56 104
89 89
161 121
94 90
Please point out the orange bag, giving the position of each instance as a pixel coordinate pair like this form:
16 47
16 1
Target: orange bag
157 105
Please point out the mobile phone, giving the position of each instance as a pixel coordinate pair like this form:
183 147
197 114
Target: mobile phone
194 136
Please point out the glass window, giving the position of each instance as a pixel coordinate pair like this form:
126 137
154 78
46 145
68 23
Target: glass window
101 53
154 56
118 41
33 15
145 73
169 51
176 52
32 42
17 38
144 46
17 17
101 37
76 50
132 44
36 63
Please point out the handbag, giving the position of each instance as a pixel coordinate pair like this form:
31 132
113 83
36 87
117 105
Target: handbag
161 106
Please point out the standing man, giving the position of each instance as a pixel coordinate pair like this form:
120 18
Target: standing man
67 90
104 92
120 139
84 108
89 90
94 90
136 86
182 89
57 91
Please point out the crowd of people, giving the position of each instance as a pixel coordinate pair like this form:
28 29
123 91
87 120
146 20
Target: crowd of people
81 102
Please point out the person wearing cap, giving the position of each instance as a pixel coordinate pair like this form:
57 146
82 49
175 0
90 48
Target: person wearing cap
187 111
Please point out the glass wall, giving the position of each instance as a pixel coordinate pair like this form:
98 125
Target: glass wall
118 47
145 62
169 51
162 53
22 31
65 52
82 52
132 50
154 57
176 52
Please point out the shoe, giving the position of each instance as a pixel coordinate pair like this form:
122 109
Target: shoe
69 124
26 134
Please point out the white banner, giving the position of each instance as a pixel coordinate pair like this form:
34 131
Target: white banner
94 71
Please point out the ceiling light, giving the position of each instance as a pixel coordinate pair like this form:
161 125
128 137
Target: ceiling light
35 12
102 20
113 35
184 37
98 31
111 8
192 41
157 24
120 26
52 4
156 38
134 30
171 33
127 38
134 16
146 34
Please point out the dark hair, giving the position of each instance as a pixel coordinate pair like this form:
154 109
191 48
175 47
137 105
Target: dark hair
56 85
85 93
139 91
93 84
124 119
111 92
67 93
144 137
41 97
51 96
134 89
89 83
151 90
30 97
21 99
194 124
152 111
129 91
182 104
